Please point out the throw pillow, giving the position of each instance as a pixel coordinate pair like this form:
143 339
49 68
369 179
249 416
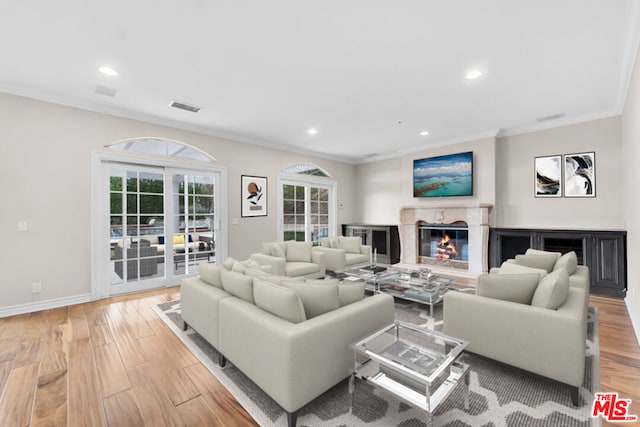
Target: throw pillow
508 287
238 284
316 299
568 261
238 267
334 243
299 251
278 300
350 245
552 290
513 268
325 242
228 263
531 251
210 274
161 240
541 261
350 293
178 240
277 250
253 272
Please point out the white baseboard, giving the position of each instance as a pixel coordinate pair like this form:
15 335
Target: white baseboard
634 314
44 305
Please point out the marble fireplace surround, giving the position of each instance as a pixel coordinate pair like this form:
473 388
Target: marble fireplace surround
476 217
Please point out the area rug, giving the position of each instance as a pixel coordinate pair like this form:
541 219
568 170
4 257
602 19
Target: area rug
500 395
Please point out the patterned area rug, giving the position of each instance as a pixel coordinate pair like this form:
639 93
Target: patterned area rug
500 395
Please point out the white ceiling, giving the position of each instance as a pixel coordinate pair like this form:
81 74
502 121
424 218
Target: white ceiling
368 74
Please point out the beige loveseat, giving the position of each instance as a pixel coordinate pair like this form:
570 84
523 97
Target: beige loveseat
291 339
526 317
291 259
344 252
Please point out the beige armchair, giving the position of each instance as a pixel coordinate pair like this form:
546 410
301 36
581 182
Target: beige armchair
344 252
292 259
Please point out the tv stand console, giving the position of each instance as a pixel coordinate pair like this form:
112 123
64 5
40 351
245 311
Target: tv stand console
603 251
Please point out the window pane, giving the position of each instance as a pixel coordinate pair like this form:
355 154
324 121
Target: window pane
115 203
115 181
132 203
151 183
288 207
151 204
299 207
132 181
314 193
300 193
288 191
203 204
314 207
323 208
323 194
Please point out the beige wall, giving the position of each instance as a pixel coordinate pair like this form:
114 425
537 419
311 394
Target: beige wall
630 184
45 158
516 204
387 185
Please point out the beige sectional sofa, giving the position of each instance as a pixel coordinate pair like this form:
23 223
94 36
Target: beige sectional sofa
290 337
291 259
344 252
531 318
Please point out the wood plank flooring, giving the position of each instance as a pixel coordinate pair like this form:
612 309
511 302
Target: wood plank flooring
114 363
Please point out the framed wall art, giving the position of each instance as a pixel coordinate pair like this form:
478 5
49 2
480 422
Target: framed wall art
254 196
548 176
580 174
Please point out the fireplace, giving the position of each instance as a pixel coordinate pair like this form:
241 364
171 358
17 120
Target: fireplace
467 228
444 244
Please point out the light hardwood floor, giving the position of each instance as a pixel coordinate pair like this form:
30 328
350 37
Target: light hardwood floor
114 362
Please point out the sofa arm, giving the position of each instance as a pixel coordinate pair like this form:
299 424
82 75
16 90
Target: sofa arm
544 341
295 363
366 250
277 264
334 259
318 258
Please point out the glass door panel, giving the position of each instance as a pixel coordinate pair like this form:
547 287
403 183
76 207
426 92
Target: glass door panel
136 208
293 208
193 221
306 212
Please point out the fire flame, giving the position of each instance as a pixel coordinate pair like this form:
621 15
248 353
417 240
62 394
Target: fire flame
446 248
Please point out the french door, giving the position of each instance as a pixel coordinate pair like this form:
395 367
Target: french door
306 209
159 223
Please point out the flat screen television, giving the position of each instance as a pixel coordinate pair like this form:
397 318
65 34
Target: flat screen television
449 175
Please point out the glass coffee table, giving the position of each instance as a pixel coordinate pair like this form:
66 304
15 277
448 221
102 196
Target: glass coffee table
420 366
412 285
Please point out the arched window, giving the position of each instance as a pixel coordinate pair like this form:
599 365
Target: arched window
163 147
306 169
307 203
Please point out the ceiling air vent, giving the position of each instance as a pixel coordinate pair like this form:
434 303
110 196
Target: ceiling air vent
183 106
551 117
106 91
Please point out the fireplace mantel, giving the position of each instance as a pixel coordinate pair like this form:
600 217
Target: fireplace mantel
476 217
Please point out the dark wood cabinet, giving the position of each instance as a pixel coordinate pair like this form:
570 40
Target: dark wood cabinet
384 239
603 251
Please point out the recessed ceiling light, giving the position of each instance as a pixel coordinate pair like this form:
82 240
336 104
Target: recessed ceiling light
473 74
424 133
108 71
312 131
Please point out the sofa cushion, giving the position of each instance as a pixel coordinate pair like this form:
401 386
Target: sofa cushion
508 287
277 250
334 243
277 279
317 299
349 293
228 263
301 268
238 284
552 291
238 267
541 261
322 281
350 245
350 259
278 300
253 272
210 274
568 261
298 251
513 268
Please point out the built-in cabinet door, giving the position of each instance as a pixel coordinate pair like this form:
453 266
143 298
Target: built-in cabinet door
605 266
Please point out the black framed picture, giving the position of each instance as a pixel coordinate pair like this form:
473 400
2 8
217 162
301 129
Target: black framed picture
548 176
254 196
580 174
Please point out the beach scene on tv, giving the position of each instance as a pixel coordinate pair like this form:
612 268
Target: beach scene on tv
450 175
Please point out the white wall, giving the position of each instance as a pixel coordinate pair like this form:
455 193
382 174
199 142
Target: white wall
45 158
387 185
628 174
516 204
